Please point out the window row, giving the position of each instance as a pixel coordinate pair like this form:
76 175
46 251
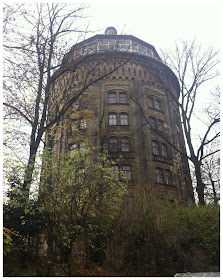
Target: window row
78 146
126 169
163 176
117 97
114 119
79 124
154 103
156 123
114 145
159 149
126 173
79 105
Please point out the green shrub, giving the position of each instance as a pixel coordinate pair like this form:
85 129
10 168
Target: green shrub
160 238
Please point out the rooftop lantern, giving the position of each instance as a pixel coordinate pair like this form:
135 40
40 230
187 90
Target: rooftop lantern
110 31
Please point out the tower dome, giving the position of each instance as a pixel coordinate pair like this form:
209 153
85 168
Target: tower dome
110 31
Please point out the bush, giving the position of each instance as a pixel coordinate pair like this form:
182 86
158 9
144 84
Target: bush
160 238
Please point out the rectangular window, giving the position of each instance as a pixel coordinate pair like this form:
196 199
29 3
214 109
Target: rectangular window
125 145
124 119
115 171
112 119
168 180
81 172
111 47
163 150
83 124
74 126
113 145
152 122
160 125
157 105
159 175
83 146
122 98
73 147
155 147
75 106
127 171
112 98
150 102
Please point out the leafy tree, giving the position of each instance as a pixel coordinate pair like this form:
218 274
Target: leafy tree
36 38
81 196
7 241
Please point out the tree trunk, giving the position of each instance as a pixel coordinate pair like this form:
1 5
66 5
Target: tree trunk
200 184
29 170
214 190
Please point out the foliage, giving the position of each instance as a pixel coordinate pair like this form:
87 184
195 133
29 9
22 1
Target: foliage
7 241
149 238
160 238
21 213
37 77
81 197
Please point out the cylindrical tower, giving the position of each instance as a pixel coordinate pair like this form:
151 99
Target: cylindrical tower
131 111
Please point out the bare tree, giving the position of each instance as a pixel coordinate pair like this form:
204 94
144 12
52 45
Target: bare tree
211 173
193 68
36 39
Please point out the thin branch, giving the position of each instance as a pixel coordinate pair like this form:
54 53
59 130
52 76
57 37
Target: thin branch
20 112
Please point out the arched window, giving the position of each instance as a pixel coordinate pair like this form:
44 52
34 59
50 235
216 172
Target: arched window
125 146
159 175
124 119
113 145
112 119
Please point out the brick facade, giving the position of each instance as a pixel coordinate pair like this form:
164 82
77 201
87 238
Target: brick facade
114 113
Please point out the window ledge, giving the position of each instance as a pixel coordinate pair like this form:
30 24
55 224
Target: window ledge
166 185
163 159
120 153
157 110
117 103
119 126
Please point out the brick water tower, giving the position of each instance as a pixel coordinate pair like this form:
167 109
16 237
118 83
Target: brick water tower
130 112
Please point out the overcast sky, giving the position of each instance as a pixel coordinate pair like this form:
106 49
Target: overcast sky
160 23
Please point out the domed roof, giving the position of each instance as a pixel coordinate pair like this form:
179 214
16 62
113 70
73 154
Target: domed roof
110 31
